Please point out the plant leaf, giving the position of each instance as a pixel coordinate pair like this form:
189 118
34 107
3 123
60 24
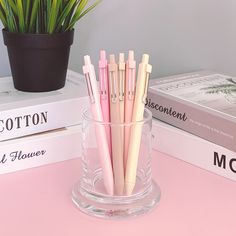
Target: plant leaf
48 9
53 16
2 16
11 21
33 17
27 12
67 21
21 18
79 14
42 16
89 9
65 13
82 4
13 6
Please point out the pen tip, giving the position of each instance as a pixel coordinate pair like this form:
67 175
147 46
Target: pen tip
87 60
131 55
112 58
102 55
145 58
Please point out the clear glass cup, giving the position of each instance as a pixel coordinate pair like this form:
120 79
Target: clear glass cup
89 193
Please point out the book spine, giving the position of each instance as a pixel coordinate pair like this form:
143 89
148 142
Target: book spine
39 150
194 119
39 118
194 150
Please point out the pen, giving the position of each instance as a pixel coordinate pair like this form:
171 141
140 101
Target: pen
104 93
136 130
102 144
116 139
129 100
121 75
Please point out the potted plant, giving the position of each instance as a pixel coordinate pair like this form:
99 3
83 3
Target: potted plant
38 35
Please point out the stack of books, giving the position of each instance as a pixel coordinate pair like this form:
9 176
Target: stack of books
196 119
40 128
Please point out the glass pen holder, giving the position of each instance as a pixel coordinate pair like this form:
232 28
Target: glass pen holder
130 190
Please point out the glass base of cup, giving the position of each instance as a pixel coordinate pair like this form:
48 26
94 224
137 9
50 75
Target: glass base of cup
115 207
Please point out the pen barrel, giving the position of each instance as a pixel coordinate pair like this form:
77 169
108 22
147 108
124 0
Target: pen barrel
136 131
122 111
117 159
103 150
128 119
117 149
122 119
106 118
133 157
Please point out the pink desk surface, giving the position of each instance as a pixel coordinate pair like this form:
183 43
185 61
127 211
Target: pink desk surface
194 202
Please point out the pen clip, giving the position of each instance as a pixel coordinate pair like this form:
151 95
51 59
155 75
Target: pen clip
121 84
113 87
147 74
131 84
90 88
103 84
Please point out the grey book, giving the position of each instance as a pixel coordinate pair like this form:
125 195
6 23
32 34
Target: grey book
202 103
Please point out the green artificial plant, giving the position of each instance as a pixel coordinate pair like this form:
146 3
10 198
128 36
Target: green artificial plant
42 16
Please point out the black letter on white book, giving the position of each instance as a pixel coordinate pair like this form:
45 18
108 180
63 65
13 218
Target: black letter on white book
4 159
219 161
231 165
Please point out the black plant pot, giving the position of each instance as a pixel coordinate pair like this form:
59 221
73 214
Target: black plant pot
38 61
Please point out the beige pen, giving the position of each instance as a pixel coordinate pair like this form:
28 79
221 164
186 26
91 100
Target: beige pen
116 134
136 130
130 83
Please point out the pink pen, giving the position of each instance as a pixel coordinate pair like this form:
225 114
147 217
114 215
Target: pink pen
103 149
121 76
104 93
121 85
129 99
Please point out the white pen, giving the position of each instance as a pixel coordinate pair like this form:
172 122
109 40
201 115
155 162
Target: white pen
136 129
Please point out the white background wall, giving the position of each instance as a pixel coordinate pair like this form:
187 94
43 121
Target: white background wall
180 35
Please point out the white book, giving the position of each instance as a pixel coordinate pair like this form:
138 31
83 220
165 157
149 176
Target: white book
24 113
40 149
193 149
